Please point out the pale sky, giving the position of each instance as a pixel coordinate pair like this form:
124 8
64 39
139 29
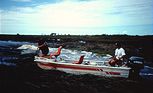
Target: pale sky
76 17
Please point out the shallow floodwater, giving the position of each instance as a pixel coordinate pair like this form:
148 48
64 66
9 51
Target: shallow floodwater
13 53
20 74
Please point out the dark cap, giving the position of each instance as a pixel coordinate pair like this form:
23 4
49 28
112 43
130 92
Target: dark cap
117 44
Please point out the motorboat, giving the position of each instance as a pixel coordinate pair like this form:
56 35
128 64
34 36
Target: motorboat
82 67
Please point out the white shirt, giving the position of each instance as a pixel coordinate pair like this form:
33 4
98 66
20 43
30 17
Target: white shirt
119 52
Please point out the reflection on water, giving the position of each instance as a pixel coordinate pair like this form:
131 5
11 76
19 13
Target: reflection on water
147 72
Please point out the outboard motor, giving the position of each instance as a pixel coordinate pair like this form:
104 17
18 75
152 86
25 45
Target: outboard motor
136 64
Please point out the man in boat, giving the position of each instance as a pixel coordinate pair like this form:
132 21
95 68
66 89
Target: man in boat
43 47
119 56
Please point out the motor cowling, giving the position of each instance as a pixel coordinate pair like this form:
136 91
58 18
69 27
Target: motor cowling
136 64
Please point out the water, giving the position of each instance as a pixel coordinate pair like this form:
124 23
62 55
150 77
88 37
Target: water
12 54
147 73
20 74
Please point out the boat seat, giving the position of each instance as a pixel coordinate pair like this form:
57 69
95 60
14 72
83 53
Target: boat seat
80 60
56 54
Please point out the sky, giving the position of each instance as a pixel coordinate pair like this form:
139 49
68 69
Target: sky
76 17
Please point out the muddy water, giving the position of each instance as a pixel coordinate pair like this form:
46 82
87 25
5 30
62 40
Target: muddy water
19 74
